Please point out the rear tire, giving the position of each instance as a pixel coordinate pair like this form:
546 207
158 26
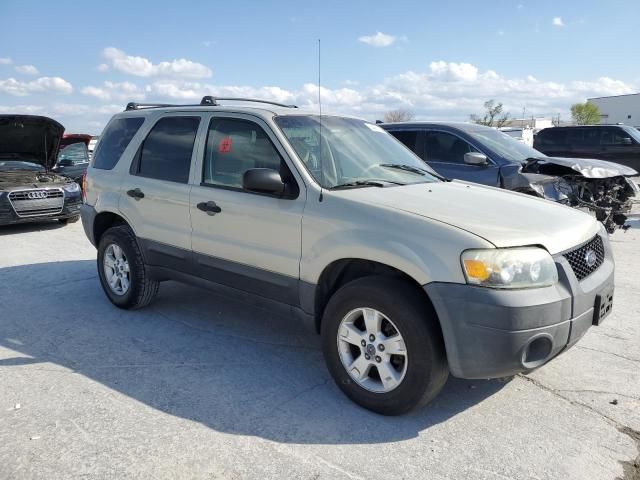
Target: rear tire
418 374
123 275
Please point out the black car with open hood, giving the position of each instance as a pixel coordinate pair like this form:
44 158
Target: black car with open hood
29 189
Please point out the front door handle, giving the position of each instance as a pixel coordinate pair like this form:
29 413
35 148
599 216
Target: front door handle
210 207
136 193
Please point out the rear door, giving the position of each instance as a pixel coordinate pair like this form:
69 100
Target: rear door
553 142
249 241
155 194
444 152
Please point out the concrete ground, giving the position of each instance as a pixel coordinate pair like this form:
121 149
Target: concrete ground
201 385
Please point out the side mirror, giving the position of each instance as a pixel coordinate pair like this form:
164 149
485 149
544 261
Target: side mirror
627 141
475 158
263 180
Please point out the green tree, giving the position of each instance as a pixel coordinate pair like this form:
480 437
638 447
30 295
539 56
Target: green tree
585 113
493 115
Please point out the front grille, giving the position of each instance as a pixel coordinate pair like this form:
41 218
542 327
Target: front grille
30 203
578 258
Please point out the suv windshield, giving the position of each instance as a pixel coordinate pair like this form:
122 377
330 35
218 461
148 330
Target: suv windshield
507 147
351 152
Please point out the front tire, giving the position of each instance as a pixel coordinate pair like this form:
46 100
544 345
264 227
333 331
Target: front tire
123 274
383 345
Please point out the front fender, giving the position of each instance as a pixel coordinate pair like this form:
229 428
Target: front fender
425 249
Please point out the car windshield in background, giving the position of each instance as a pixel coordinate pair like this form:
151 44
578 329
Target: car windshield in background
351 152
74 153
6 165
507 147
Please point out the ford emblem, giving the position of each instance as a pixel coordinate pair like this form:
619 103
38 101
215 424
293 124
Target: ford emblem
590 258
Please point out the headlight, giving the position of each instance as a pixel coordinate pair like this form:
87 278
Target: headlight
525 267
72 187
633 185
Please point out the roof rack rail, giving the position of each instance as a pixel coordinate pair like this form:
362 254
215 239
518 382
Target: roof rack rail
210 100
137 106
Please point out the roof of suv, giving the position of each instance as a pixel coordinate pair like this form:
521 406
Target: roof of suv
459 125
209 103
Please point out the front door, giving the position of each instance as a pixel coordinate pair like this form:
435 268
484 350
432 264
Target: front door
444 152
246 240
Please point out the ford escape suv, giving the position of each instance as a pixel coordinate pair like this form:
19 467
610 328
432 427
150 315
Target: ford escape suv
406 276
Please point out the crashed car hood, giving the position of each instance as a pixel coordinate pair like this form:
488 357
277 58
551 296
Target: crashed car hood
30 137
589 167
504 218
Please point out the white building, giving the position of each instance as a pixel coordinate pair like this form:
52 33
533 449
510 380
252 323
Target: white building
534 123
619 109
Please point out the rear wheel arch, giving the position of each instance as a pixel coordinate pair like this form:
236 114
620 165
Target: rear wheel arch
105 220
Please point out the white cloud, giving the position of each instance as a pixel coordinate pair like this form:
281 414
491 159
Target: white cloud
40 85
143 67
5 61
115 91
103 67
557 22
454 71
442 90
378 40
27 69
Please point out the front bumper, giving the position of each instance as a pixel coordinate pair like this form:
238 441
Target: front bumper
493 333
70 208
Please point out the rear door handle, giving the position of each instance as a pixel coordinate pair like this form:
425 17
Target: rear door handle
136 193
210 207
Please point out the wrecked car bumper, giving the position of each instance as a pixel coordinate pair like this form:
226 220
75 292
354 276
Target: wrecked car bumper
491 333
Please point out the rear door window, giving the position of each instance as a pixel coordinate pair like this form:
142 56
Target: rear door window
114 140
166 152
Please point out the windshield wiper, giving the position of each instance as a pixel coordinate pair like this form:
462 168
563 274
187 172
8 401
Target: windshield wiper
364 183
406 168
412 169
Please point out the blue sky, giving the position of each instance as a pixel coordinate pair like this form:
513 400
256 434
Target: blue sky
81 62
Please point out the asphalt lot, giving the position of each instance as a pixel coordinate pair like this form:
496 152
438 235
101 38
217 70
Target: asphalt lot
201 385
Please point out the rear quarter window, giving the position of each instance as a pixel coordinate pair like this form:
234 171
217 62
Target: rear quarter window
552 136
114 140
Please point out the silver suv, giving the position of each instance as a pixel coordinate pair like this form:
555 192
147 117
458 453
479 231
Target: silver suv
406 276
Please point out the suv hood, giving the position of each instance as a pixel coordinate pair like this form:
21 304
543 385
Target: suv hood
503 218
31 138
587 167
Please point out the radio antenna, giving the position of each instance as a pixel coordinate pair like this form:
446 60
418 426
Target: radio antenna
320 121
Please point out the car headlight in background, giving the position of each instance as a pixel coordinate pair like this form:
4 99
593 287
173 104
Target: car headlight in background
525 267
72 187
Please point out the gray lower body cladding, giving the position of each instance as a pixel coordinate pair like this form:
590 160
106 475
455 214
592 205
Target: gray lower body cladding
492 333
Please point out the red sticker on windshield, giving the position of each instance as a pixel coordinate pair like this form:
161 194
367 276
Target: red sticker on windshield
225 145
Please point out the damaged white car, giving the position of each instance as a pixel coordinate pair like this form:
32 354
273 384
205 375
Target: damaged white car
485 155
